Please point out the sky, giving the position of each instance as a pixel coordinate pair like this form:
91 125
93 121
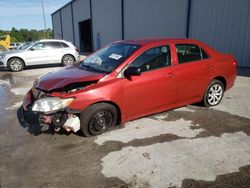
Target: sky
27 14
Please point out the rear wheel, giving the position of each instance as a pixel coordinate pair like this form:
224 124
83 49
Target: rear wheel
15 64
98 118
214 93
68 60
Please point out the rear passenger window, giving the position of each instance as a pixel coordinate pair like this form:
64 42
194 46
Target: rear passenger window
153 58
188 52
53 45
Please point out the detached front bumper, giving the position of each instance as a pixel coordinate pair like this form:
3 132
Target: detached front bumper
65 118
29 119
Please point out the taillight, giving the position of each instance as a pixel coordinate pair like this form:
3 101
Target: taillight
77 50
235 63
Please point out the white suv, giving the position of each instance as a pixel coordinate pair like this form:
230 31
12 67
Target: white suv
41 52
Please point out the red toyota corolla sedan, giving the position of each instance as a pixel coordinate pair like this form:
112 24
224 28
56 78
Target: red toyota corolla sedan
127 80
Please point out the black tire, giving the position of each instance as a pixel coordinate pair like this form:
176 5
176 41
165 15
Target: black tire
2 49
213 98
98 119
68 60
16 64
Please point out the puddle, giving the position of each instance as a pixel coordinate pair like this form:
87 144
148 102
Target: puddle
148 127
15 106
208 144
172 162
3 97
21 91
11 79
186 143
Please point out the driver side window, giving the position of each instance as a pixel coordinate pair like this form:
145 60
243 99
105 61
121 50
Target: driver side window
38 46
153 58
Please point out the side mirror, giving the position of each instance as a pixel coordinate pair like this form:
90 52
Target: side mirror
132 71
32 49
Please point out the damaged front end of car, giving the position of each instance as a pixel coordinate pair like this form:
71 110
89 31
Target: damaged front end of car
51 109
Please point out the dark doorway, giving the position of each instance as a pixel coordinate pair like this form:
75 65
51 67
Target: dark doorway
85 36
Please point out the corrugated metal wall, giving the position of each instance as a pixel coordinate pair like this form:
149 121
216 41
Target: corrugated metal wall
224 25
67 25
154 18
57 30
106 19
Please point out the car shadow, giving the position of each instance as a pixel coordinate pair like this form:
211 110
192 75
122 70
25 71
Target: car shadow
42 66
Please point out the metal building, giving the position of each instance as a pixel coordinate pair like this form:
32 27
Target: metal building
223 24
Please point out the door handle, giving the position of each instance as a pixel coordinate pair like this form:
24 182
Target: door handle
170 75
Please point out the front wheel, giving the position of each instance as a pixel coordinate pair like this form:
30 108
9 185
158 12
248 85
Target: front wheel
214 93
15 64
98 118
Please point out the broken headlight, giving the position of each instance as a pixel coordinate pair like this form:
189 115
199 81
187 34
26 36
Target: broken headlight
50 104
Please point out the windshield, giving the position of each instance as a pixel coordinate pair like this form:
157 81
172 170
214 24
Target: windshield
26 45
108 58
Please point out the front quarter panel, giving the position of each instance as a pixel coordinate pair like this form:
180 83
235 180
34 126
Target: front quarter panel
14 55
103 91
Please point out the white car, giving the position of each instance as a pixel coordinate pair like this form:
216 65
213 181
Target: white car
49 51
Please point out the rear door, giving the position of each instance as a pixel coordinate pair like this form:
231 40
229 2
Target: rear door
155 87
55 52
192 72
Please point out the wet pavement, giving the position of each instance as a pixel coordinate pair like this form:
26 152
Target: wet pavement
191 146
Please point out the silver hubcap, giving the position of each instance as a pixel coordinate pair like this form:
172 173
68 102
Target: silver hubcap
68 60
16 65
215 94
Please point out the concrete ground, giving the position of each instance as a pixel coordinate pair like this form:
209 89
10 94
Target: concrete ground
191 146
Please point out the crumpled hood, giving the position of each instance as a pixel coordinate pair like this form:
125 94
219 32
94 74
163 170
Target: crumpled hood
59 79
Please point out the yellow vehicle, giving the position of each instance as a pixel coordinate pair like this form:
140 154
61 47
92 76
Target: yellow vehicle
4 43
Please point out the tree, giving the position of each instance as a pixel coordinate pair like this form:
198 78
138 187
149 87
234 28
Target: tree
13 39
24 35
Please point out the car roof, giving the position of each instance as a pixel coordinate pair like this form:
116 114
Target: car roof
159 40
155 41
51 40
56 40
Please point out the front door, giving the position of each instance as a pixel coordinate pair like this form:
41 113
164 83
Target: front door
155 87
37 54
